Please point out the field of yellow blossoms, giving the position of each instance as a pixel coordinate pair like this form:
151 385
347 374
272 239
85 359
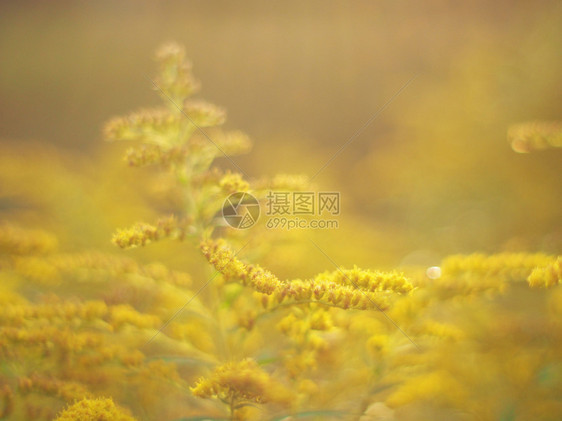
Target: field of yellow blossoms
127 293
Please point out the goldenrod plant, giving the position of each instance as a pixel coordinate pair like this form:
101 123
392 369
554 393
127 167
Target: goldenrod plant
93 410
248 297
96 335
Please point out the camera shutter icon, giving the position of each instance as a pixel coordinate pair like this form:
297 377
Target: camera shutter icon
241 210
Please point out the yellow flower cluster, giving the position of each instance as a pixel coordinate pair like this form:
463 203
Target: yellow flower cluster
53 269
204 114
172 136
333 289
45 328
297 326
66 311
327 293
153 126
231 143
175 77
378 345
149 154
66 350
233 270
67 390
215 143
241 382
16 241
508 266
124 314
438 386
142 234
194 332
480 272
232 183
547 276
37 269
157 126
63 348
169 133
373 281
440 331
306 328
482 350
100 409
324 352
533 136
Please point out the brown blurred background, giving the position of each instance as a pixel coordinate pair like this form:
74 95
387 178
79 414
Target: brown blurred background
432 175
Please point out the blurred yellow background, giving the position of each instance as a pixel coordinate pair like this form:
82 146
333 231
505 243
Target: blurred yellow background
432 175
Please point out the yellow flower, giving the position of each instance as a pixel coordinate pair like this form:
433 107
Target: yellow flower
480 272
378 344
155 154
40 270
142 234
241 382
100 409
231 142
442 330
152 125
508 266
321 320
17 241
368 280
438 386
203 114
233 182
67 390
233 270
175 78
126 315
547 276
373 293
